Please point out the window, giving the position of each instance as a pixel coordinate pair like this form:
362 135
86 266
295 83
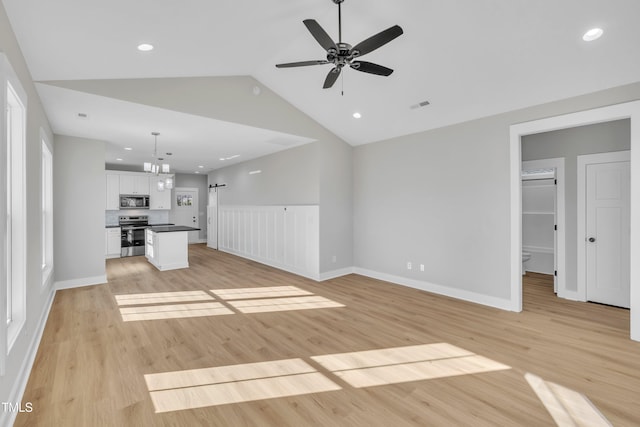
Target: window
13 207
47 210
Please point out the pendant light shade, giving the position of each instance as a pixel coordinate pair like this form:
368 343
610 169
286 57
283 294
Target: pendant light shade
168 183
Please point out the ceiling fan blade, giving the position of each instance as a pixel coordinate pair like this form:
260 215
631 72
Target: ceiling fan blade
376 41
302 63
320 34
332 77
371 68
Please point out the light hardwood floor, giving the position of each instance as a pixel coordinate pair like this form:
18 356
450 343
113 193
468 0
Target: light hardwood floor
91 365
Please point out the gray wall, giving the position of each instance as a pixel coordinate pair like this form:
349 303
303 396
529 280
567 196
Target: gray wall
289 177
316 173
37 296
442 198
199 182
570 143
336 205
78 208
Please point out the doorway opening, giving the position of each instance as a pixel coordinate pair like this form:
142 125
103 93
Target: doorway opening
629 110
543 219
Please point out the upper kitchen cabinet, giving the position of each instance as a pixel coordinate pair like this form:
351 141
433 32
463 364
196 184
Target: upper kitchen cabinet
134 184
158 199
113 191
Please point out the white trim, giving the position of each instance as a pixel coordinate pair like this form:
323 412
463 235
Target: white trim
17 392
78 283
501 303
628 110
327 275
583 161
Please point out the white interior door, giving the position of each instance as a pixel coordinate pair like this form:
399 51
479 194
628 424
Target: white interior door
212 219
185 210
607 221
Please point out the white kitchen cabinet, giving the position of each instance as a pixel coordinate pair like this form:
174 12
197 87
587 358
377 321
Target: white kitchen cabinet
112 242
159 200
113 191
134 184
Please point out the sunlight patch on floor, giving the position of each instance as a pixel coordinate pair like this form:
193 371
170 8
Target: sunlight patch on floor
162 297
197 388
403 364
283 304
264 292
173 391
567 407
175 311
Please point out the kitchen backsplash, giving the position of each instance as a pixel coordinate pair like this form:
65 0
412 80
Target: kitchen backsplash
155 217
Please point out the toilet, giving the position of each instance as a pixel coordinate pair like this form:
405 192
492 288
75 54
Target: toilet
526 256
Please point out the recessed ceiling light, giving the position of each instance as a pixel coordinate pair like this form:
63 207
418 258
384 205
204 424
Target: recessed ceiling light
128 148
357 115
592 34
255 172
197 172
119 159
201 167
145 47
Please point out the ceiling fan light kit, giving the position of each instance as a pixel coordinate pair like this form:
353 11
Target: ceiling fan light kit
341 54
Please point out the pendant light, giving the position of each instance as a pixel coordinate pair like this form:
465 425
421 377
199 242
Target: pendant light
155 167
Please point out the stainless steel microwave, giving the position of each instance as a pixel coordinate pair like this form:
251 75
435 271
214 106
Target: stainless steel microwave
134 201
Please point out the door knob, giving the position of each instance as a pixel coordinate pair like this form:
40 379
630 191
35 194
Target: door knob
592 239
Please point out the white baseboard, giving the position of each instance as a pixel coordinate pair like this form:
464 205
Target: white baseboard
78 283
500 303
271 264
7 418
327 275
570 295
503 304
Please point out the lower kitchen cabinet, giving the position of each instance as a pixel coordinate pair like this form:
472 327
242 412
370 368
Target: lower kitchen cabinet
112 242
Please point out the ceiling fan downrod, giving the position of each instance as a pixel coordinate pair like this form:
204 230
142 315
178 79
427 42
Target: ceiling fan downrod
339 3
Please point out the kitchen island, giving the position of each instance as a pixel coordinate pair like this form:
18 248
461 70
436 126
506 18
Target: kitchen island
167 246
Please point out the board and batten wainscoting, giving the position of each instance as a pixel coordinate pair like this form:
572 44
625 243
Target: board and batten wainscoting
285 237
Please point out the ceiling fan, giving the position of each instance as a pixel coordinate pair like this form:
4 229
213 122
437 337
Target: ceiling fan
341 54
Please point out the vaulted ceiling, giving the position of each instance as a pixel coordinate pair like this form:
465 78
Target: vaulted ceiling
468 58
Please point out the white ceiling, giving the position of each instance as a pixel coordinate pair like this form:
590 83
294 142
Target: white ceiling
468 58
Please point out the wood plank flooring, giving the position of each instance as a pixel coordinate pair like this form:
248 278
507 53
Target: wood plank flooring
91 365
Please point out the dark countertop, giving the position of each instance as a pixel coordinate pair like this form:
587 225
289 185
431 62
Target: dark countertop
112 226
156 225
171 228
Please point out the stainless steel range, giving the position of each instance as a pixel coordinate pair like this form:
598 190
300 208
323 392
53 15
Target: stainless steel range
132 236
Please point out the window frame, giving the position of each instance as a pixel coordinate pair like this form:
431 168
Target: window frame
46 230
13 212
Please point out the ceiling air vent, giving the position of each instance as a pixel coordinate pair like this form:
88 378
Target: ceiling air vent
419 105
83 116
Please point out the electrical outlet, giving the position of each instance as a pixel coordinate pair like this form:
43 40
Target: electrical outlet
421 267
409 265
